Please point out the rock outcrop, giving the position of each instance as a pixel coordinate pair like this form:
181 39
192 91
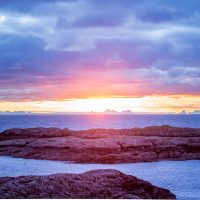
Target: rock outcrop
93 184
103 145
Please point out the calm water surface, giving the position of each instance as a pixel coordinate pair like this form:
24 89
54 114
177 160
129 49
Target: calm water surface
83 121
181 177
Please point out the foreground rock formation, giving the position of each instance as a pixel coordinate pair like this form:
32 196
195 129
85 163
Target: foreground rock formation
92 184
103 145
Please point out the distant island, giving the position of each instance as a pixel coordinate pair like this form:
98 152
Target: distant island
193 112
16 113
108 111
183 112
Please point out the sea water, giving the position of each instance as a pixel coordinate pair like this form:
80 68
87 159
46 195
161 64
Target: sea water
180 177
87 121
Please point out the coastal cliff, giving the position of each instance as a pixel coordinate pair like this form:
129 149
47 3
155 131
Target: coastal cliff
99 184
103 145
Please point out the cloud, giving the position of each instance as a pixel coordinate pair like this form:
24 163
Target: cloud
72 49
160 15
25 5
100 20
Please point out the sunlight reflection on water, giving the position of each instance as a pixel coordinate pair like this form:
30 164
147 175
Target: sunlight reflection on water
97 121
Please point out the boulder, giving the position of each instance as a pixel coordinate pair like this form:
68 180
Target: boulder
96 184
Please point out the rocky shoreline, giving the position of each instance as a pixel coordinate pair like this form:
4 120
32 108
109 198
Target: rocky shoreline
94 184
103 145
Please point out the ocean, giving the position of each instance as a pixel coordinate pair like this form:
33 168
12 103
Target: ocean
88 121
181 177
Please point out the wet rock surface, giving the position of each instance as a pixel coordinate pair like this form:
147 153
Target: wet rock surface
92 184
103 145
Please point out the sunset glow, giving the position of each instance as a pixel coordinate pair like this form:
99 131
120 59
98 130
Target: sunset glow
148 104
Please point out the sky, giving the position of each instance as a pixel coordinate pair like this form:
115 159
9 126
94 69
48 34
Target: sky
91 55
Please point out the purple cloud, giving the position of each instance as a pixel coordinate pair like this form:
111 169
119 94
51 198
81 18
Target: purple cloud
77 45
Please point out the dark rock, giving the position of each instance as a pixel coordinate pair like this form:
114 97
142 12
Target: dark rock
103 145
93 184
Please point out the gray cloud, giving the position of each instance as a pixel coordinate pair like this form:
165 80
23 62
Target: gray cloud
55 42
